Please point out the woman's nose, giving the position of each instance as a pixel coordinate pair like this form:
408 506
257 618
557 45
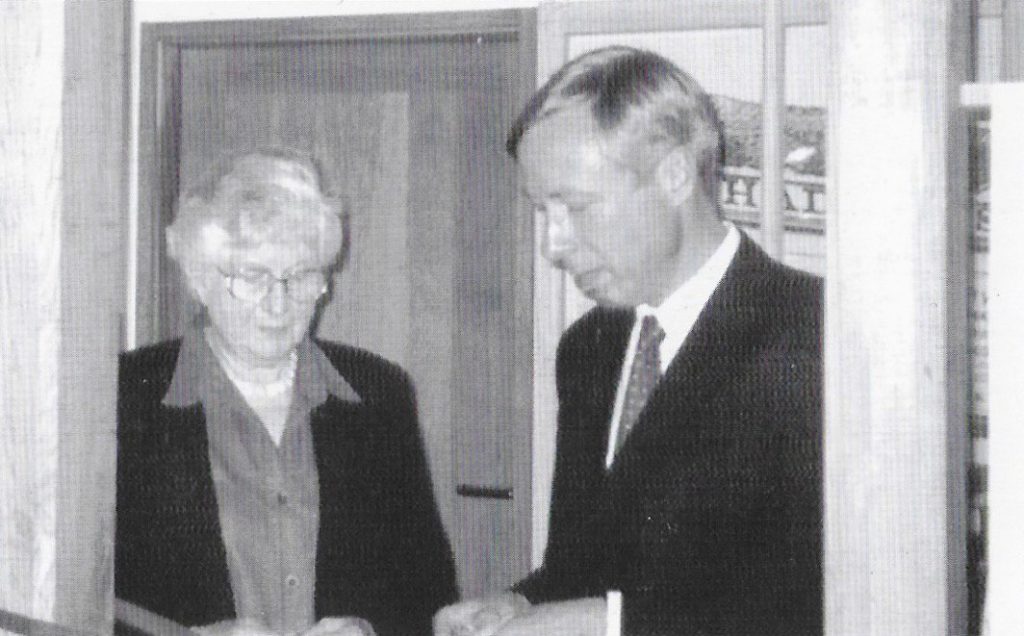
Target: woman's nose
276 300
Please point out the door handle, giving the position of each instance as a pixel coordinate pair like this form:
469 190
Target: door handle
483 492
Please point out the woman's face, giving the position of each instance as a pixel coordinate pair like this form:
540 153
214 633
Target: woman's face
259 332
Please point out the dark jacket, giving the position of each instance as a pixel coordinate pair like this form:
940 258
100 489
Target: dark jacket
710 518
382 553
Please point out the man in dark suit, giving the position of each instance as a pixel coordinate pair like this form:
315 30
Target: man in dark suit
687 492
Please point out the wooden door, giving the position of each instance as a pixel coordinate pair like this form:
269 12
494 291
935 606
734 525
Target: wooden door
437 275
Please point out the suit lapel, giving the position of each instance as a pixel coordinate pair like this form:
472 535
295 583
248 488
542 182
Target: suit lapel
339 434
725 334
341 431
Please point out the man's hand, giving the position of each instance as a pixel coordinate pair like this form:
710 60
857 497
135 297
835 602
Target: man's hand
579 617
479 617
243 627
341 626
331 626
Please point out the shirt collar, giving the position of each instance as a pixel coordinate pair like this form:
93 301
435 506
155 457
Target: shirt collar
315 376
186 383
690 297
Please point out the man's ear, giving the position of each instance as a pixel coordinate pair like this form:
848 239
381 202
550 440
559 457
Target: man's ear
676 175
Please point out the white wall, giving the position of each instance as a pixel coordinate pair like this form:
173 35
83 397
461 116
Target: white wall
190 10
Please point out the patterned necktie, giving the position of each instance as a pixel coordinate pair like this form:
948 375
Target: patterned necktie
642 376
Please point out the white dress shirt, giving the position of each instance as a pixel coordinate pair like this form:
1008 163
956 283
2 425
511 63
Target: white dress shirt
676 315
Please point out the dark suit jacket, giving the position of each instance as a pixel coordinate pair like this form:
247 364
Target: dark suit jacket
382 553
709 519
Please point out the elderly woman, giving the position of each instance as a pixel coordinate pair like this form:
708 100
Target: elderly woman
269 482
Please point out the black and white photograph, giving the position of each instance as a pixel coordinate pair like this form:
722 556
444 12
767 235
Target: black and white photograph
511 317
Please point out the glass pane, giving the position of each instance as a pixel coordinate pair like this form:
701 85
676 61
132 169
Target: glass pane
989 39
806 77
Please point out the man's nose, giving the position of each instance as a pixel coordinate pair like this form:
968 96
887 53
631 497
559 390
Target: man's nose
559 237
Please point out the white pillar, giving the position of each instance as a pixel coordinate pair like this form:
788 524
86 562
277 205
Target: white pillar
62 166
31 73
1004 609
896 426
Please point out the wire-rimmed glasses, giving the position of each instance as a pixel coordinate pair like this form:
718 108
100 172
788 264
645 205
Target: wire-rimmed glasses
253 285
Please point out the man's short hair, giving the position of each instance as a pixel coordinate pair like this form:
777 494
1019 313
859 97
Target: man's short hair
636 93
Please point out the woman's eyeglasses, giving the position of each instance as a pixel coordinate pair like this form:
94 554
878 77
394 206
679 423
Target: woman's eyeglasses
252 286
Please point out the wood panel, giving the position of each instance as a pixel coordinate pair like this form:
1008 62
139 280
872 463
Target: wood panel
93 259
896 434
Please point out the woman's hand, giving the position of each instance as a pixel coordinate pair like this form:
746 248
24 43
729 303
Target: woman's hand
479 617
341 626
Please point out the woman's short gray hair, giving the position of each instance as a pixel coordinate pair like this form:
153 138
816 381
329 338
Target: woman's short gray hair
266 195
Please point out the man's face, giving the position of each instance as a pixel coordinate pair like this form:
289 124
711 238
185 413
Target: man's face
259 332
614 231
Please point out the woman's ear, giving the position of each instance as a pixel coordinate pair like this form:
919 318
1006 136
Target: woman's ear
676 175
197 281
192 270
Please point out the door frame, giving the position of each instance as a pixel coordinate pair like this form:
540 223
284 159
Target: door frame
161 45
